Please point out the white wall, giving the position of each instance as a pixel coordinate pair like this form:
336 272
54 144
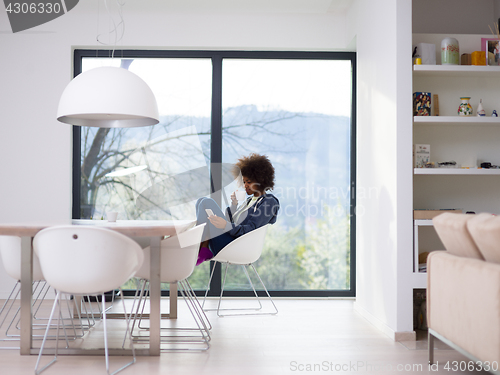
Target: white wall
36 65
384 175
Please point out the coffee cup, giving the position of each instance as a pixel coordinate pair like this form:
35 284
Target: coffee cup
240 195
112 215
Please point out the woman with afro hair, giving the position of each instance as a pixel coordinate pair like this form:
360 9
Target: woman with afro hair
260 207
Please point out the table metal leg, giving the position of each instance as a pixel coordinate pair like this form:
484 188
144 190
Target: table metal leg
155 297
430 347
26 294
173 301
77 306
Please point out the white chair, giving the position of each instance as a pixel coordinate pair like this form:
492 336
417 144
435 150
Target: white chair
244 251
86 261
10 253
178 258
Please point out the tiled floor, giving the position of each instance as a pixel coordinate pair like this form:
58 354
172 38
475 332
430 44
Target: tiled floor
307 336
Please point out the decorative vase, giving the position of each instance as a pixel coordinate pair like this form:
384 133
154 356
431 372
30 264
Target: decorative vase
449 51
480 109
465 109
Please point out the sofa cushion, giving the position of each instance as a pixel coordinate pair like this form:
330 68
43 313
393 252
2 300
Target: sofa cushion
453 232
485 230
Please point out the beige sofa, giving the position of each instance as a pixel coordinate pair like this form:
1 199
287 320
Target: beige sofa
463 286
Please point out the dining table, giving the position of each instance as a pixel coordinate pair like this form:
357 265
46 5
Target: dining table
154 230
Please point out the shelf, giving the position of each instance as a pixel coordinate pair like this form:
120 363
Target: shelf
456 171
423 222
455 70
457 120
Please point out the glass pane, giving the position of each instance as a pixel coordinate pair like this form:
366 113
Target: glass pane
297 112
140 172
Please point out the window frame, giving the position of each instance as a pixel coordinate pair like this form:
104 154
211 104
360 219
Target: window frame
216 141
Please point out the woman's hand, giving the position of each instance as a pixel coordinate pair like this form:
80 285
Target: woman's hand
234 201
218 222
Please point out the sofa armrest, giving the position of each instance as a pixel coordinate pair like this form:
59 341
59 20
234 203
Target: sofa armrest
463 303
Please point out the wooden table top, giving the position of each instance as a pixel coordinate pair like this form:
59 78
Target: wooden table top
135 228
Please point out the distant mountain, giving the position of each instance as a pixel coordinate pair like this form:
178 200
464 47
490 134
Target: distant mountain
310 151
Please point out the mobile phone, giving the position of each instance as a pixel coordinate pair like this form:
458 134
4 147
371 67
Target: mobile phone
209 212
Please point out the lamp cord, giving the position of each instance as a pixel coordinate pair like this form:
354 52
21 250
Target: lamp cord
118 36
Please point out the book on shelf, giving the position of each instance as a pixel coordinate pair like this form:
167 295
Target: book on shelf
421 104
421 155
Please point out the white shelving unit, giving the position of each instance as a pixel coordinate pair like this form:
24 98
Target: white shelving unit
467 140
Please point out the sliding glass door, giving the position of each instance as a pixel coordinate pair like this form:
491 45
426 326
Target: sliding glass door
137 171
298 113
216 106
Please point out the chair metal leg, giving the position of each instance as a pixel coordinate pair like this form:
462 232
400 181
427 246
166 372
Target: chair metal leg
195 308
87 315
127 331
144 295
137 298
15 321
200 308
253 288
12 301
7 301
222 289
72 323
35 284
268 295
99 305
106 350
202 328
140 294
219 309
106 354
38 299
178 335
37 372
45 287
208 287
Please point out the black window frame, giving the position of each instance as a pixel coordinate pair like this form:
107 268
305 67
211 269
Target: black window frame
216 141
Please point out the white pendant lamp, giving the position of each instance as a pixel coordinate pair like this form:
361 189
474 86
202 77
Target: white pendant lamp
108 97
